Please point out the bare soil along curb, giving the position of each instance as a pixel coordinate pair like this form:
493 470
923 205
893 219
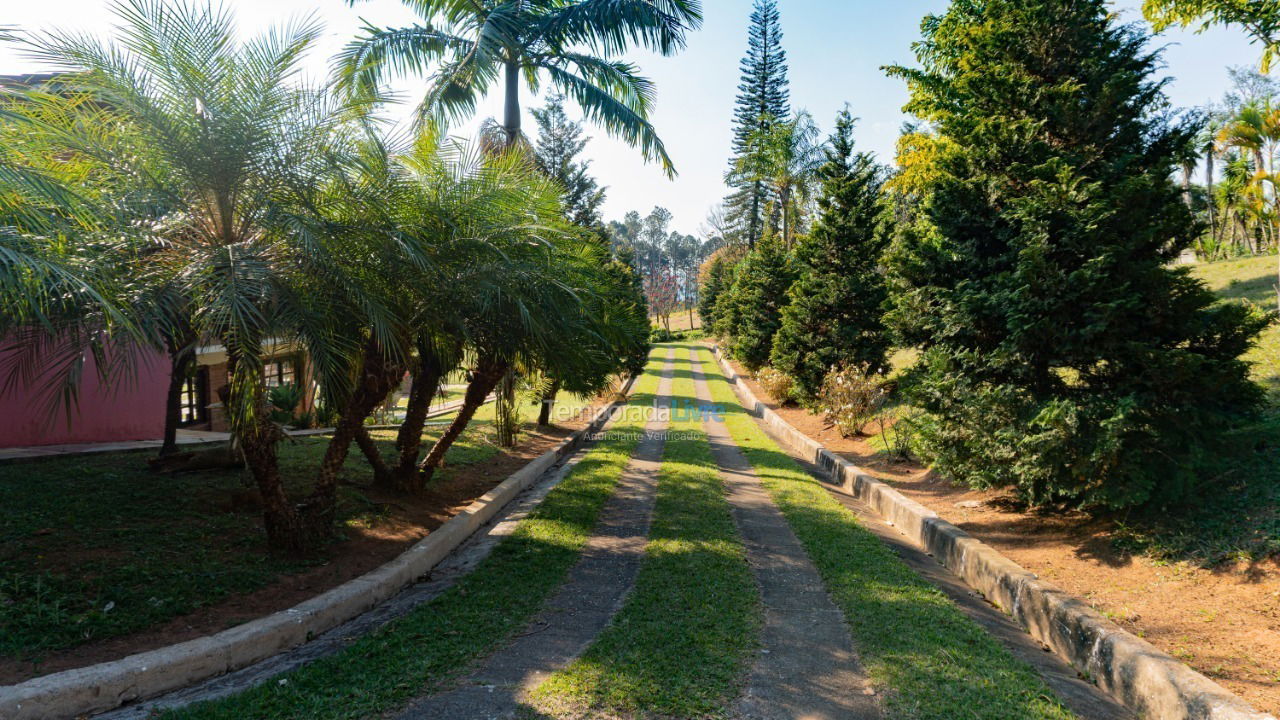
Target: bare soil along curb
595 589
807 667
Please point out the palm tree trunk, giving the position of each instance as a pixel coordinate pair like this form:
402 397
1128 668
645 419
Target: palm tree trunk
426 381
377 378
506 411
785 198
369 448
1186 183
511 111
486 378
753 228
287 533
180 360
548 402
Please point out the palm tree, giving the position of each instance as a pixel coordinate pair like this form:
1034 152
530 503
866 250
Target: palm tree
59 307
477 44
524 330
161 320
786 154
216 165
1256 129
489 225
1206 142
1242 209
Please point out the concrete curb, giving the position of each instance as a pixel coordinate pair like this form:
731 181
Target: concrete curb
1132 670
105 686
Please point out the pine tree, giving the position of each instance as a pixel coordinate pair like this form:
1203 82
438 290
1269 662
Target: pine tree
759 291
763 95
560 143
1062 354
835 307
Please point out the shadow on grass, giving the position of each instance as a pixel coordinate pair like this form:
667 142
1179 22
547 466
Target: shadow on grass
683 639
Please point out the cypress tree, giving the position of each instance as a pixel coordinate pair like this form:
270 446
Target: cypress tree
764 94
1063 355
759 291
834 310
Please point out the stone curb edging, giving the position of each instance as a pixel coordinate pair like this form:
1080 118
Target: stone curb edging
1132 670
105 686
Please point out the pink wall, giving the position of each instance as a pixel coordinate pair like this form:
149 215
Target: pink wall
131 410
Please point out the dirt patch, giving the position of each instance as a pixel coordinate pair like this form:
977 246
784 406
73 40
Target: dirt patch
362 547
1224 621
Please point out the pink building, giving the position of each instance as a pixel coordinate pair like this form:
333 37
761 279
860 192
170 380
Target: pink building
130 410
134 409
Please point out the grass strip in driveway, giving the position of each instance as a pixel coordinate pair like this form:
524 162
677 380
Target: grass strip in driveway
681 645
926 657
421 650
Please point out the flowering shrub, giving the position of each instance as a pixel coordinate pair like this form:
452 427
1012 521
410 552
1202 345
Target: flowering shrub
778 384
850 398
897 431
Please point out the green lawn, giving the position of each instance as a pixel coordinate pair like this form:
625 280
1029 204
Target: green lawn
926 657
566 403
439 639
447 395
82 559
1253 280
681 644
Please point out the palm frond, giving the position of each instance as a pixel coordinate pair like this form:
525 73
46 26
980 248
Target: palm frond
611 26
617 117
380 54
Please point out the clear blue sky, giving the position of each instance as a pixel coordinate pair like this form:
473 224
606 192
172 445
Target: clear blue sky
835 47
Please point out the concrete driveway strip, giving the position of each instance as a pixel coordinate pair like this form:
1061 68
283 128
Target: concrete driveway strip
807 668
593 592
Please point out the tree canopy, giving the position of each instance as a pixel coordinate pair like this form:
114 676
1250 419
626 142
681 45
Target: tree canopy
833 314
1062 355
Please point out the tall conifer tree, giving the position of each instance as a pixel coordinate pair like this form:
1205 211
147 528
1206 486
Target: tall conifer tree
760 284
1063 354
834 310
763 94
560 145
